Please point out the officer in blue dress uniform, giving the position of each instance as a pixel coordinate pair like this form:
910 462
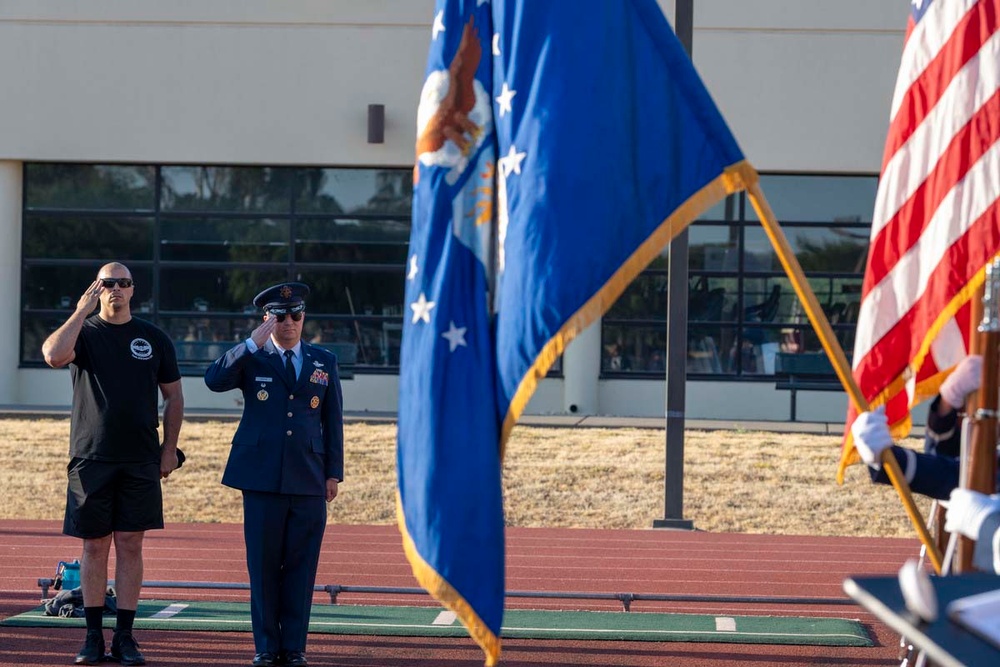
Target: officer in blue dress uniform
287 458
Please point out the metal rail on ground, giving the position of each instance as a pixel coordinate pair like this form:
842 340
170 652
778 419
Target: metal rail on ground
626 599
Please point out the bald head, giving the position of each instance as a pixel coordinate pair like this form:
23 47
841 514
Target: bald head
114 270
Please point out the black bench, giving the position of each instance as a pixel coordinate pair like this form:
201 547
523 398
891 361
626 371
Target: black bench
805 371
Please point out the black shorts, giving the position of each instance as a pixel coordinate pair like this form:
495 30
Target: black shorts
105 496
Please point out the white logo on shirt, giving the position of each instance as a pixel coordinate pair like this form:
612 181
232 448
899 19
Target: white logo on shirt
141 349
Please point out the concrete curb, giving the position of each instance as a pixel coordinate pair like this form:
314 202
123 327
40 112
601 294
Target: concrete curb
554 421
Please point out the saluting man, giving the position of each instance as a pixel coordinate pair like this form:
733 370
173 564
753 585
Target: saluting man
287 458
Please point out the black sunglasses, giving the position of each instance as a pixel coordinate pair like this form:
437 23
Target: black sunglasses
295 312
109 283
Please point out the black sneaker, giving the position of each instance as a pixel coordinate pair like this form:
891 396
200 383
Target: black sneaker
125 649
93 649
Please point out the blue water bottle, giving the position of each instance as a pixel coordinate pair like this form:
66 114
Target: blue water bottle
70 573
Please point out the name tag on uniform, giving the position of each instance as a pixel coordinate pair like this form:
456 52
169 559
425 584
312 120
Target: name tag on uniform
263 379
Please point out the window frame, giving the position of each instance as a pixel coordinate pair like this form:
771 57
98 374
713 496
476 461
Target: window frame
158 266
737 213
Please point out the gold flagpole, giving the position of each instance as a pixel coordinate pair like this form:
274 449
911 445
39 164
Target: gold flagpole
836 354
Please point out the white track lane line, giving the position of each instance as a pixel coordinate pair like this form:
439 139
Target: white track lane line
170 610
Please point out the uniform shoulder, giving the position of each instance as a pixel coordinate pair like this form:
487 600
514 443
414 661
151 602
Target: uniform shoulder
319 352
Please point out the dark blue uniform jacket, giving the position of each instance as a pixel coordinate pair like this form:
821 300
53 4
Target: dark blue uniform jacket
291 438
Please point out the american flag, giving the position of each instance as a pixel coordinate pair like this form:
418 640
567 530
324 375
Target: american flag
937 218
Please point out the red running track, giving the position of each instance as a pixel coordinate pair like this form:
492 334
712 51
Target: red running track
607 561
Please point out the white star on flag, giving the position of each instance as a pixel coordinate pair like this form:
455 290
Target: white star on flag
496 44
422 309
438 24
413 268
455 336
506 95
512 161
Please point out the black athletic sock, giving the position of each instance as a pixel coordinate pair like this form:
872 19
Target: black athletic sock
125 619
95 618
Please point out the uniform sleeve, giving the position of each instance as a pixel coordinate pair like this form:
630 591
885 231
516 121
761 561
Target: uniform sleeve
942 436
928 475
333 425
226 372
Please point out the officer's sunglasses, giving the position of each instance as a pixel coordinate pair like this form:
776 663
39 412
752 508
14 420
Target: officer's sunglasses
295 312
109 283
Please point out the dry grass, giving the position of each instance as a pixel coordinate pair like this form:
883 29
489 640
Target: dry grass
610 478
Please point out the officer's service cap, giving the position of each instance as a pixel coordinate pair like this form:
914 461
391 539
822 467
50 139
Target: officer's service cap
282 295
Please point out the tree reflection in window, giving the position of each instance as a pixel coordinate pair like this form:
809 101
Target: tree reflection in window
742 310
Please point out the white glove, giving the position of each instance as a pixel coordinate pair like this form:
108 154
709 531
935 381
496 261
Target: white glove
963 380
918 591
967 510
871 436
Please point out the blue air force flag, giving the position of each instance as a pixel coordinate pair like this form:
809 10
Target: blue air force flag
556 155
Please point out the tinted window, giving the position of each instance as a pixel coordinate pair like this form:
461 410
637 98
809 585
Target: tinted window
212 240
356 192
352 241
100 187
823 199
88 237
238 189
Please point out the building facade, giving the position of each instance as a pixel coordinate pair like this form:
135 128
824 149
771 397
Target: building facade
218 147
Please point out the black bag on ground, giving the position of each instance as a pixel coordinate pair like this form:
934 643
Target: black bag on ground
69 604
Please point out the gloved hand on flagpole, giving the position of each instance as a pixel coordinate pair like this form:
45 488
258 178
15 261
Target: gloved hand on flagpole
964 380
967 510
872 436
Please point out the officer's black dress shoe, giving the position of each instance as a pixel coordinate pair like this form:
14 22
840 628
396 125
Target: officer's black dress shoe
125 649
295 659
93 649
265 660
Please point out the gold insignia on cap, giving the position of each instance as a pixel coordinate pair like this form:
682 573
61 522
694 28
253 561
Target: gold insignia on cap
285 291
262 395
314 403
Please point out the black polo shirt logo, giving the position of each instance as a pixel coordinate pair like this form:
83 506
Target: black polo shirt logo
141 349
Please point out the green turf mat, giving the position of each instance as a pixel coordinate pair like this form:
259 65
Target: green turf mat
524 624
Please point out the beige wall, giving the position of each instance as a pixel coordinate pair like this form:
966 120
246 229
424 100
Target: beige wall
227 81
804 85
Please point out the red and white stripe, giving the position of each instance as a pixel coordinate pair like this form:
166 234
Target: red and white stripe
937 213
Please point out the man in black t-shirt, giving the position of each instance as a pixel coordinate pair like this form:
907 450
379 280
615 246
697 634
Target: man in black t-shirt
117 363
